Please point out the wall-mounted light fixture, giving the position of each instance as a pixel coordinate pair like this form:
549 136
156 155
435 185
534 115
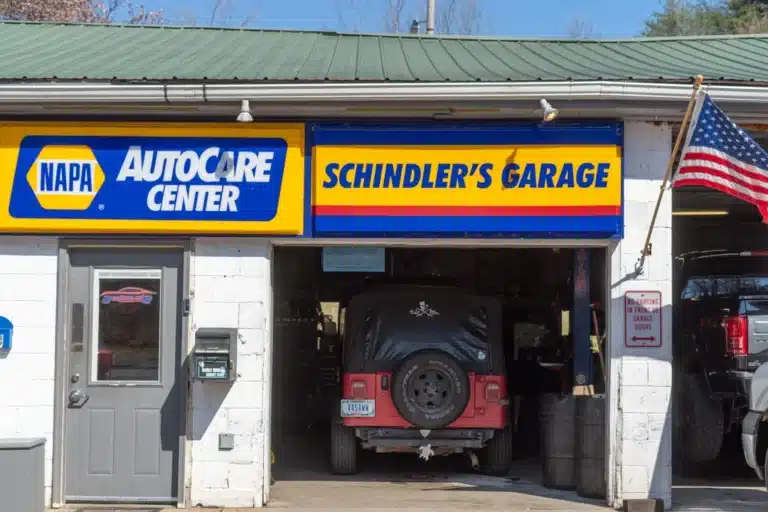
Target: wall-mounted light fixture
245 112
548 112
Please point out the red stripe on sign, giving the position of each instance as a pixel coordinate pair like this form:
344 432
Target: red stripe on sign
468 211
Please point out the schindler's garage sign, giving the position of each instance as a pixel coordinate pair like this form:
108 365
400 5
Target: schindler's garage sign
492 180
148 179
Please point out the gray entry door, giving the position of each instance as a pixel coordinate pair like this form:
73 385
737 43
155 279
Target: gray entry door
124 411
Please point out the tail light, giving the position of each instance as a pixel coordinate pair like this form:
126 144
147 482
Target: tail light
492 392
358 389
736 335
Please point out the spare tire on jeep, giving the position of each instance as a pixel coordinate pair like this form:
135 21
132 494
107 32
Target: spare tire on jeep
430 390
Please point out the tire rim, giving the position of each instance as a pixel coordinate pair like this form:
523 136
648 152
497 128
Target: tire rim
431 389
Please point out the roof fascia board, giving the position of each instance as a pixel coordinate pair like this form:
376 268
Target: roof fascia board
106 93
486 91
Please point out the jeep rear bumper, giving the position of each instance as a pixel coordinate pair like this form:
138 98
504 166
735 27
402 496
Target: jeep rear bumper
406 439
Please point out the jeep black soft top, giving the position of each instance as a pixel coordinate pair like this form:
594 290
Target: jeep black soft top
385 325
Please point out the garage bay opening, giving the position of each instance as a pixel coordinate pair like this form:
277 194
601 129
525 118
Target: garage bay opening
409 360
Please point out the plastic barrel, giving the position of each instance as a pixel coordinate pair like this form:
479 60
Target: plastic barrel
558 441
590 446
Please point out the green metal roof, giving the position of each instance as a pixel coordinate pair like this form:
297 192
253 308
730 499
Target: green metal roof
41 51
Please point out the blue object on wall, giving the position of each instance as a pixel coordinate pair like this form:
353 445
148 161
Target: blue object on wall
6 334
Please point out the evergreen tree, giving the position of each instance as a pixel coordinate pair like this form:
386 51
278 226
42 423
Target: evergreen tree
687 18
708 17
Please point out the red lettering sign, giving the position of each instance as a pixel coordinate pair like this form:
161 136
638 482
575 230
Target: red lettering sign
642 319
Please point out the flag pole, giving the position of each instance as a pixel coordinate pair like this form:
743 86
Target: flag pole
667 175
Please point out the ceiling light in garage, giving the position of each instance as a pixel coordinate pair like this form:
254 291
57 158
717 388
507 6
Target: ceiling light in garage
699 213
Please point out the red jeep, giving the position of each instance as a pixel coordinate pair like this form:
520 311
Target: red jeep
422 372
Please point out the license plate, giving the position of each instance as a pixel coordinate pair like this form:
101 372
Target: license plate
358 408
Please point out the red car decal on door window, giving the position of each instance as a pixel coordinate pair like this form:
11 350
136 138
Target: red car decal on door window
128 295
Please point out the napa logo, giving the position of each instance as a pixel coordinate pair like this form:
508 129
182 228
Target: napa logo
65 177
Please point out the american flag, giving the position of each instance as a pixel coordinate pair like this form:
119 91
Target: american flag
720 155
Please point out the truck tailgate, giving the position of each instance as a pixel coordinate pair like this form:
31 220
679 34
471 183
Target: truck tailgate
756 310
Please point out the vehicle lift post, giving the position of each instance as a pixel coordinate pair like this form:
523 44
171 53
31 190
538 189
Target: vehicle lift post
582 319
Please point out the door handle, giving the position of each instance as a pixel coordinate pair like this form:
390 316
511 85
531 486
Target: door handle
77 398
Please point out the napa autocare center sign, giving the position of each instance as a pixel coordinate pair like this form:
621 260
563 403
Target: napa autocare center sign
529 180
184 179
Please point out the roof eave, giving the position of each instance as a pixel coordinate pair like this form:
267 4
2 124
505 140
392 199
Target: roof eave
268 92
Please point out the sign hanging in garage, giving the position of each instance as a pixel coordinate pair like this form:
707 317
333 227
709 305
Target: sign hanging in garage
509 180
642 324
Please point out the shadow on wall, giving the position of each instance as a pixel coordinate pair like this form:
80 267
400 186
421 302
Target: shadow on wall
646 432
645 414
212 394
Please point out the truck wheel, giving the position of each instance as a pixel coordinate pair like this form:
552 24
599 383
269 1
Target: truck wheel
430 390
701 425
765 470
498 453
343 450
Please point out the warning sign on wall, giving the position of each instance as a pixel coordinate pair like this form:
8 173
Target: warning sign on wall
642 323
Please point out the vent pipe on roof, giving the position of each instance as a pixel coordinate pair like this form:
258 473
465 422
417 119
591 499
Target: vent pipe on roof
430 17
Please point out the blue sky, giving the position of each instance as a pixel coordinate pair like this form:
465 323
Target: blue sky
544 18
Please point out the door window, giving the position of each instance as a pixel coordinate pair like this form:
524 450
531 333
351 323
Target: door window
126 325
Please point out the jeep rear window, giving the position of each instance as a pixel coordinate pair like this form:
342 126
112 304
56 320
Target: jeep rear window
705 287
396 326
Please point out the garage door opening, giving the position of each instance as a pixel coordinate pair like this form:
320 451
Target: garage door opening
720 271
315 310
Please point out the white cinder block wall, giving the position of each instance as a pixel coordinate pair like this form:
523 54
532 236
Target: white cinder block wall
28 269
230 287
640 415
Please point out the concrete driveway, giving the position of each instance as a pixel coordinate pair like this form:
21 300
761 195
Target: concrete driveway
722 495
429 491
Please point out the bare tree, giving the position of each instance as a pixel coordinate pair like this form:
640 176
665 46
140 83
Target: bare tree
394 19
184 16
580 29
453 16
82 11
139 15
349 15
246 21
219 10
217 6
463 17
